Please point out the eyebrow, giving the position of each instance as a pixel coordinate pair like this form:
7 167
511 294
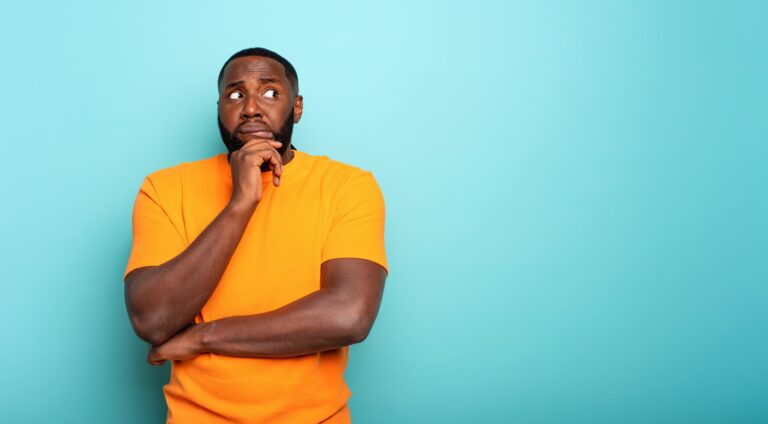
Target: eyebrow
261 80
232 84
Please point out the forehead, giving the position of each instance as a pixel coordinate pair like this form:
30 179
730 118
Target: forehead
253 68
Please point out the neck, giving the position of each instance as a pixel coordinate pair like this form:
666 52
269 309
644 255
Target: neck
287 156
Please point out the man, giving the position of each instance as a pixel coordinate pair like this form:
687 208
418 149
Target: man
253 271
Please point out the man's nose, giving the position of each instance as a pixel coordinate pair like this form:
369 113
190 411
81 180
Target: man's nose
251 108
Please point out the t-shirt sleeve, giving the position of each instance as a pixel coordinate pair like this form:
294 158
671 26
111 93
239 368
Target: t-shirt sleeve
357 226
156 239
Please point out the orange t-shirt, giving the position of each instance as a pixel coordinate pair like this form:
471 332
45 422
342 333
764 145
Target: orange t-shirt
323 209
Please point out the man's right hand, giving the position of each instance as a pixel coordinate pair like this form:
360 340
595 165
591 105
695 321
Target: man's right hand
246 170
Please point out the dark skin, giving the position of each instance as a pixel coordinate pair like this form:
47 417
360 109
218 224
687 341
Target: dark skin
255 98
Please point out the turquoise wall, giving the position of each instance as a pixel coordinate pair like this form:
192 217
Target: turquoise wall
576 193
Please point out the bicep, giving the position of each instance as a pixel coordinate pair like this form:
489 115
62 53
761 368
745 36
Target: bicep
134 274
358 282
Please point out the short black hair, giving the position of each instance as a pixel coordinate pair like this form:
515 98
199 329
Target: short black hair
290 72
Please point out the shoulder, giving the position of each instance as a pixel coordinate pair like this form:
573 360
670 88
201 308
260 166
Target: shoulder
347 186
168 181
335 172
173 174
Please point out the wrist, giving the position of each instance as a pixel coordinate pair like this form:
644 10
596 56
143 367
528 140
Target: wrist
203 336
241 207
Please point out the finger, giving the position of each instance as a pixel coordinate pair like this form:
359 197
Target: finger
272 158
266 154
275 164
259 142
156 359
277 172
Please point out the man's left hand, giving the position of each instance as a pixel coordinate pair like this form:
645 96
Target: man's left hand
184 345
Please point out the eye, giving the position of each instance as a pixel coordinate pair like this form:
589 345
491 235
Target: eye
271 93
235 95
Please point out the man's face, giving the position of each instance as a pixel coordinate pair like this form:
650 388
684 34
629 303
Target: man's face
256 101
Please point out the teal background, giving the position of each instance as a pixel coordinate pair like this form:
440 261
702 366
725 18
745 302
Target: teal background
576 197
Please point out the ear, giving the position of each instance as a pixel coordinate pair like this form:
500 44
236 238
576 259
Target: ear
298 107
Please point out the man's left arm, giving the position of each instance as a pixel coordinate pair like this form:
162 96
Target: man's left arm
341 313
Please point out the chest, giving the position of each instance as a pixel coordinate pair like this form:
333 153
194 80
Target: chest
278 257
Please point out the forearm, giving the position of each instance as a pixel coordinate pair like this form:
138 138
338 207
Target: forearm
163 299
320 321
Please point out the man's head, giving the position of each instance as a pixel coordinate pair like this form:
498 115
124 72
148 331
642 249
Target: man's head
258 98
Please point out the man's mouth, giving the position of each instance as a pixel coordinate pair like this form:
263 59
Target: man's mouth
255 129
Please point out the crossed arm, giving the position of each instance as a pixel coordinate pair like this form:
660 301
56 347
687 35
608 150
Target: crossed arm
162 300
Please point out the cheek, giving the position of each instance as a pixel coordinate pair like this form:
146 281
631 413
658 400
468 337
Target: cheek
228 115
280 113
271 115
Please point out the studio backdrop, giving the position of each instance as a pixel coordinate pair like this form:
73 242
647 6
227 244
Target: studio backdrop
577 212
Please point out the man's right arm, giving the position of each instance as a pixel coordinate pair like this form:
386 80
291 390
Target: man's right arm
163 299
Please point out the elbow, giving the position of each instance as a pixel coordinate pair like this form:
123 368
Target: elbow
144 316
359 335
149 324
355 328
147 329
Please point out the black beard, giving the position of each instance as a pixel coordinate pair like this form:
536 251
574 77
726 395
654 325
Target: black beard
283 135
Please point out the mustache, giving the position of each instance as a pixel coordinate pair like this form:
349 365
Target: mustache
283 135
